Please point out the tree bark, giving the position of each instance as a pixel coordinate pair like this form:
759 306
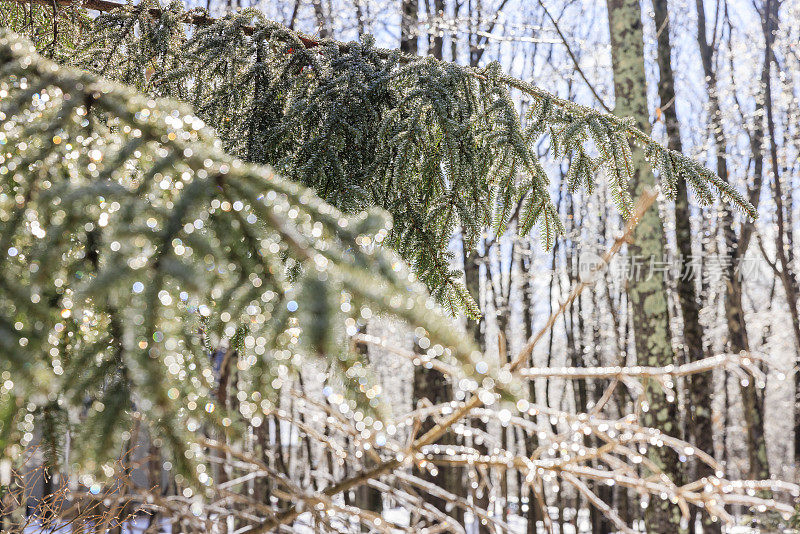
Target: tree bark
700 385
409 26
737 245
647 293
432 385
783 237
535 512
472 277
367 497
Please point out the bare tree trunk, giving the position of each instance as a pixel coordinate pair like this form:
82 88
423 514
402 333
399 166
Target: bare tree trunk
501 291
472 277
783 239
576 347
535 513
627 511
737 246
367 497
431 386
700 385
409 26
600 522
652 336
323 20
436 39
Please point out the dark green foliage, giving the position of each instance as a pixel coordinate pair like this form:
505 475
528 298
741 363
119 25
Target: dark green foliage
136 244
53 426
53 29
133 247
439 146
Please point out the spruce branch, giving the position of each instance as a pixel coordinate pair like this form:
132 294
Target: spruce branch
439 146
138 226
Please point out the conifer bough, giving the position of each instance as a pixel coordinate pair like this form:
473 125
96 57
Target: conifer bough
441 147
136 246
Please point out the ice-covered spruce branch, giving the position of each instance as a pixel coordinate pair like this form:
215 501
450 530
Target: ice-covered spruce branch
135 247
115 205
438 145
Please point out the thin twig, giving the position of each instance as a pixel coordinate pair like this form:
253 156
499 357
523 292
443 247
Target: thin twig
439 429
574 58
